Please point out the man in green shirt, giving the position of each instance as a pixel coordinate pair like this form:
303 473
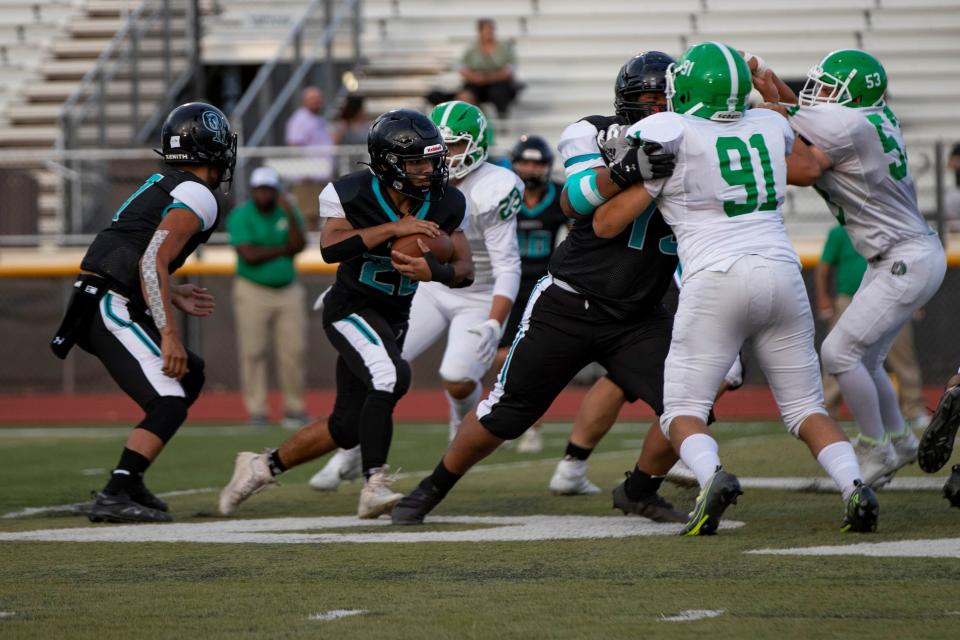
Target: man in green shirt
269 302
847 266
487 69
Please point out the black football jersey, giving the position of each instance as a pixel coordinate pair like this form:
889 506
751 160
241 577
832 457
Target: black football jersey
537 230
369 280
626 275
116 251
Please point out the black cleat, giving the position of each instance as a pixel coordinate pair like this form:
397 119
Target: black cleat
862 510
415 506
122 508
720 492
654 506
951 490
936 444
143 496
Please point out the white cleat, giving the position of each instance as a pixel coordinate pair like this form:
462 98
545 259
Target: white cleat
570 479
878 462
343 465
681 475
531 441
905 446
377 496
251 475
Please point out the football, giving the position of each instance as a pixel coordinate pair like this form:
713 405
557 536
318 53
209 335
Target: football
441 246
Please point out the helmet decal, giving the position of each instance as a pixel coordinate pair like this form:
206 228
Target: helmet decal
213 122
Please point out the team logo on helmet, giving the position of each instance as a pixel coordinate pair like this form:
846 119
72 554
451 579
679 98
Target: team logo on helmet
214 122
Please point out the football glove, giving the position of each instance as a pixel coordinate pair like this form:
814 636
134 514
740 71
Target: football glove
490 333
631 160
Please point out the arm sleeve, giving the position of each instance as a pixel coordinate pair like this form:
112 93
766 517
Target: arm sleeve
330 205
578 148
197 198
501 241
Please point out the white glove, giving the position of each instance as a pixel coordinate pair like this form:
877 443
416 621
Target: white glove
318 303
761 65
490 333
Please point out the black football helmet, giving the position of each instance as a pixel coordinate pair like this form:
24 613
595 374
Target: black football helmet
198 133
645 72
402 135
536 149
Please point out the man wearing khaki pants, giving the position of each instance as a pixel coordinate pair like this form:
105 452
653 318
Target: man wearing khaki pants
268 300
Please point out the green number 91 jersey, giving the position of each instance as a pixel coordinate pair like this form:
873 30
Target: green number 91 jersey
724 198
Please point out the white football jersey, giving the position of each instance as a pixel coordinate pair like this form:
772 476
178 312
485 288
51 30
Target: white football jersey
724 198
494 196
869 187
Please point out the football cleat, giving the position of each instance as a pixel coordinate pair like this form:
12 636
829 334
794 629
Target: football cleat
251 475
654 506
141 495
681 475
862 510
343 465
122 508
721 491
531 441
951 490
878 461
377 497
936 444
415 506
570 479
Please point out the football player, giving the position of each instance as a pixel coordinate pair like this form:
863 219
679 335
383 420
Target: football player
600 301
867 185
938 439
741 275
365 313
122 306
473 317
541 226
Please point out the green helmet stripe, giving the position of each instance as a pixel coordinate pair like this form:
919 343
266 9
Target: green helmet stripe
732 66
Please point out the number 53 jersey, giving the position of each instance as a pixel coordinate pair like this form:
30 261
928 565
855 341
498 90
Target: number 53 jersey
724 198
869 187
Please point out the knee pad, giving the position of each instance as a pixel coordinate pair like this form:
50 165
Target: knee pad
345 430
404 377
837 354
164 416
192 382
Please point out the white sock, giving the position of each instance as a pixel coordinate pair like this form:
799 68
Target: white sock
460 408
700 453
839 460
860 393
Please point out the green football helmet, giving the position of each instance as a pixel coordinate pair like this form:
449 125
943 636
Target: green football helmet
850 77
459 121
710 80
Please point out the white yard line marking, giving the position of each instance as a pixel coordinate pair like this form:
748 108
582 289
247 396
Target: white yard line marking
692 614
76 507
7 614
95 471
939 548
318 530
336 614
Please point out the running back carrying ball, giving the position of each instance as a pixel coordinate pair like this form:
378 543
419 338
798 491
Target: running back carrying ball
441 247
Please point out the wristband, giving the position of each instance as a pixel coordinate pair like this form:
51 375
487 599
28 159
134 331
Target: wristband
442 273
582 192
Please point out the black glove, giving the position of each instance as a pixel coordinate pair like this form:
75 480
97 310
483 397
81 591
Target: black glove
634 163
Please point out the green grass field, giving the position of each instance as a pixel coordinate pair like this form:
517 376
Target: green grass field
587 588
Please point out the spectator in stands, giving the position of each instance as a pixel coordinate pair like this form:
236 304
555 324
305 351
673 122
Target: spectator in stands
952 196
351 130
954 164
842 261
487 69
308 128
268 300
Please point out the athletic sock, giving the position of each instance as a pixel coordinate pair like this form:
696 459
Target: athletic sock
640 484
840 462
860 393
442 479
275 463
700 453
459 408
576 453
128 473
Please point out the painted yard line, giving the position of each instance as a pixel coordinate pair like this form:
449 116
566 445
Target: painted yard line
7 614
825 485
77 507
336 614
938 548
330 529
692 614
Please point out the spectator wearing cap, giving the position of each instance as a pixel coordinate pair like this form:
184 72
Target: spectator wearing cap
487 69
308 128
269 301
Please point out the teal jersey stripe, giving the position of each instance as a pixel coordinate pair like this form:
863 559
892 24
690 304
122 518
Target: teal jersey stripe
157 177
548 199
179 205
137 331
516 339
362 327
569 162
387 209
